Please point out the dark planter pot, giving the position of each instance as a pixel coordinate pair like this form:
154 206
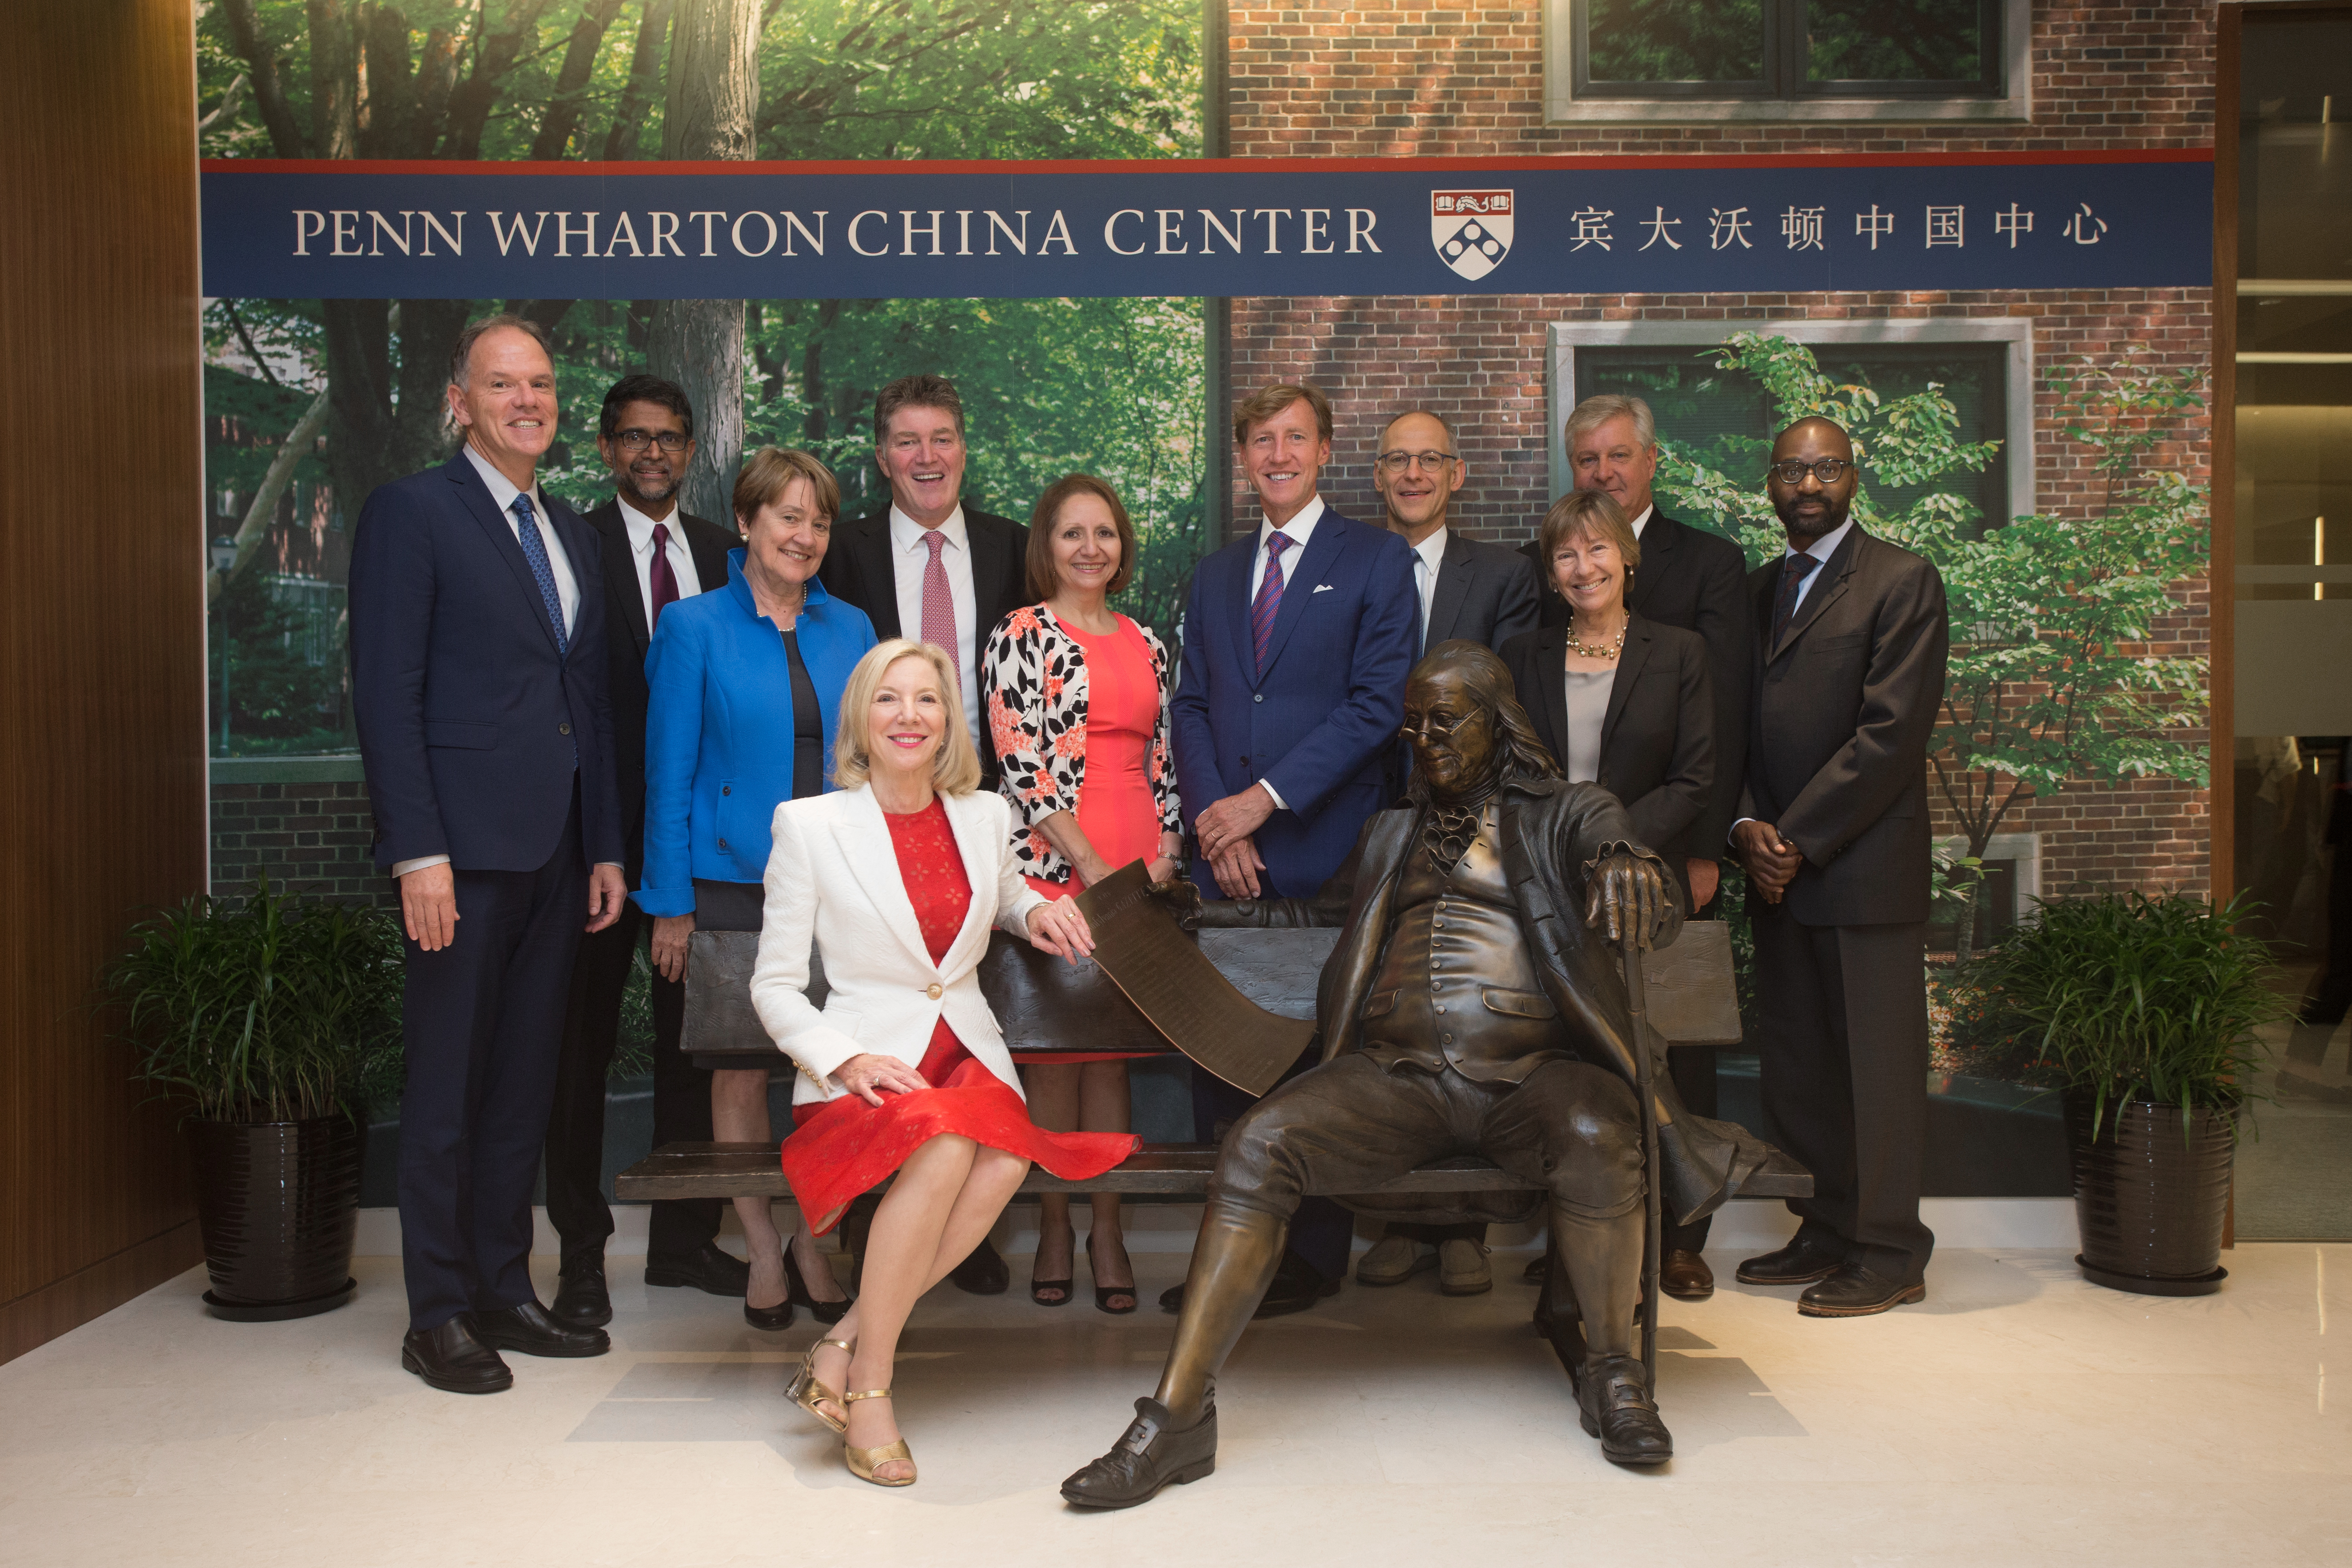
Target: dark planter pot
2150 1203
278 1203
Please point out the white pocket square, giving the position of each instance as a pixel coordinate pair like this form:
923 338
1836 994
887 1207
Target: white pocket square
1322 587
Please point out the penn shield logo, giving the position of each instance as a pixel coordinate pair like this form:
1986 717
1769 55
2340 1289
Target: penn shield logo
1471 229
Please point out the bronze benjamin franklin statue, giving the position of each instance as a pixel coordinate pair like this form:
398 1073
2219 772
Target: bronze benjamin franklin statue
1463 1011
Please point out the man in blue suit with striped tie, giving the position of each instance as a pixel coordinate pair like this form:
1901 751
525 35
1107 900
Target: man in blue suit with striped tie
479 682
1297 641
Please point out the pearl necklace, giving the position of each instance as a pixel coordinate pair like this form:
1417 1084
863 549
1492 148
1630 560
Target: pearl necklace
1607 651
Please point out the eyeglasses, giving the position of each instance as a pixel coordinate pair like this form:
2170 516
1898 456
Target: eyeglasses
1438 726
1402 462
638 440
1829 470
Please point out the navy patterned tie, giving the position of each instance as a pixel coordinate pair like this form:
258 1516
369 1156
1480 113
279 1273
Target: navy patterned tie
534 550
1794 569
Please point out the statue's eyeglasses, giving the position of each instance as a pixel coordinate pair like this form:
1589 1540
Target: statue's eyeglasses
1829 470
638 440
1440 725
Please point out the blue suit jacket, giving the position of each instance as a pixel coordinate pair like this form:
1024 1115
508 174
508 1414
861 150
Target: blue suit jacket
471 723
1321 723
719 731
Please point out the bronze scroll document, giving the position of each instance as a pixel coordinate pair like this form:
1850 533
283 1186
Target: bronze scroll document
1139 945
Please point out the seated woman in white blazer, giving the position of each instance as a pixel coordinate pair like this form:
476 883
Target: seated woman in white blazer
898 878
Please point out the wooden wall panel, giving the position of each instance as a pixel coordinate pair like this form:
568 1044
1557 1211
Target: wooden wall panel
101 595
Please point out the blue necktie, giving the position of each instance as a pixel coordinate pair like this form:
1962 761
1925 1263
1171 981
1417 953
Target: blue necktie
534 550
1268 604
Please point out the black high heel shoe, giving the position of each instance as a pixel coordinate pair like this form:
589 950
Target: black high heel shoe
1063 1285
1103 1293
799 1295
770 1318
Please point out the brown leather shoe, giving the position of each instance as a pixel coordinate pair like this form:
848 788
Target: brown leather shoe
1685 1275
1855 1291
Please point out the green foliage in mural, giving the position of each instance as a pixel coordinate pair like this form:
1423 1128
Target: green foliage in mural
2061 672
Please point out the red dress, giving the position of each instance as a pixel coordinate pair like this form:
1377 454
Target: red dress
842 1147
1117 809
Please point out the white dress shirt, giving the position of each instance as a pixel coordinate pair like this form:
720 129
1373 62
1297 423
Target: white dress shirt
1820 550
1299 530
908 558
567 587
502 494
641 551
1427 556
1643 521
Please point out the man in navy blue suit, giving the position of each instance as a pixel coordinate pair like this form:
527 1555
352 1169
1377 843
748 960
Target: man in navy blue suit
1297 642
479 685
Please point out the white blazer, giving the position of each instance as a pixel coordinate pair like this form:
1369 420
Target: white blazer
832 874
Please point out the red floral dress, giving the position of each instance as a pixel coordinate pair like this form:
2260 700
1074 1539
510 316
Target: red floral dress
844 1146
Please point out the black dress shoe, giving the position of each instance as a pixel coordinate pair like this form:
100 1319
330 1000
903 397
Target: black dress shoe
449 1357
1153 1453
713 1271
581 1300
1296 1286
827 1313
1686 1276
984 1273
1800 1262
1855 1291
529 1330
1614 1404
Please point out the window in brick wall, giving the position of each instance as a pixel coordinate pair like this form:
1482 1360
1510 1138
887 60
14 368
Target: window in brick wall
1723 419
1803 60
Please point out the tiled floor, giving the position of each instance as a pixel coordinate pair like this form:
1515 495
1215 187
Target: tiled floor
2019 1417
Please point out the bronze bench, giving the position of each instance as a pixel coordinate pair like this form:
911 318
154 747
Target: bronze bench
1045 1004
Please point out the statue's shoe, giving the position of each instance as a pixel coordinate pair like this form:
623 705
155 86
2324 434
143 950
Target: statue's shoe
1152 1453
1614 1404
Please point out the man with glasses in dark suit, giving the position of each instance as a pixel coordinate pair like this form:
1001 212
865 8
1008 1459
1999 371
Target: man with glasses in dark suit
1475 592
653 555
1848 676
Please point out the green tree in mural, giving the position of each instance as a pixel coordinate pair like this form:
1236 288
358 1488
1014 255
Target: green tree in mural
2059 671
591 78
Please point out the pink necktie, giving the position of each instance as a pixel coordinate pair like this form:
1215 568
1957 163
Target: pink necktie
664 579
939 603
1268 603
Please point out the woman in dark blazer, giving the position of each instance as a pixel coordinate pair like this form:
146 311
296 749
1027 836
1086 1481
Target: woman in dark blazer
1620 700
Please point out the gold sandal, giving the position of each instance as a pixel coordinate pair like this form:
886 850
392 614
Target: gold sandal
806 1391
863 1462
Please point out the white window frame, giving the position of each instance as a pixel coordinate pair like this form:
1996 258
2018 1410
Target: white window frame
1565 338
2024 850
1562 107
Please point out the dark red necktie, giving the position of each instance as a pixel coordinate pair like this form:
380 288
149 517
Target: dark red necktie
665 581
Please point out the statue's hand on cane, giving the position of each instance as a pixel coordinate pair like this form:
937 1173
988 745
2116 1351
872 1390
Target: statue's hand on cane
1628 897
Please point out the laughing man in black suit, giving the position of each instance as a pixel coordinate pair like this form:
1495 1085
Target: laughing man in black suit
1697 581
654 554
1476 592
935 570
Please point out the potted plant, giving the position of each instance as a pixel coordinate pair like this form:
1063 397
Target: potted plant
2147 1008
270 1019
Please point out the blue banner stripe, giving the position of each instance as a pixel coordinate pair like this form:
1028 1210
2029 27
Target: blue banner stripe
350 231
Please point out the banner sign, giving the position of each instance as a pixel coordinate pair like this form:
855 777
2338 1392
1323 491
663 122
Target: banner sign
1229 227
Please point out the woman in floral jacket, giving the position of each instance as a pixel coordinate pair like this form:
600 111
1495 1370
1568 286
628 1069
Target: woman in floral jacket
1077 698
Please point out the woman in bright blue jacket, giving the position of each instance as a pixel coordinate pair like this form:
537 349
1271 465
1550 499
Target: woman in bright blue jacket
745 698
